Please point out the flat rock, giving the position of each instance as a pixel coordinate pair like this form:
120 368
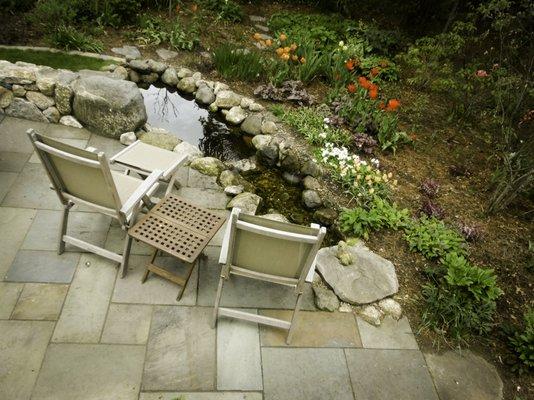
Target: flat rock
227 98
205 95
311 199
20 108
156 66
6 96
233 190
208 166
325 298
40 100
128 138
69 120
160 138
325 216
247 202
189 150
165 54
252 124
108 106
233 178
245 165
368 279
275 217
464 375
130 52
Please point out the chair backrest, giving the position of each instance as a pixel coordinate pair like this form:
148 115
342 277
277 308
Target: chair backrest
272 247
77 173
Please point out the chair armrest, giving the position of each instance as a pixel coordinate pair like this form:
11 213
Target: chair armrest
141 191
225 245
311 272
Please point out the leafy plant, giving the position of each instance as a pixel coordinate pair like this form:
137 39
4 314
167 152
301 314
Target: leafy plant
378 215
184 38
69 38
434 239
225 9
521 341
432 209
461 302
237 63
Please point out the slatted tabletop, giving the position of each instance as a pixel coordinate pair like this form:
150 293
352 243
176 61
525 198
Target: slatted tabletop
177 227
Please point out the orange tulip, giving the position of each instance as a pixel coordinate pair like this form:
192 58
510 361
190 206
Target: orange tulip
257 36
349 64
351 87
279 51
268 42
393 104
285 56
294 57
293 47
287 49
283 37
373 93
372 86
364 83
375 71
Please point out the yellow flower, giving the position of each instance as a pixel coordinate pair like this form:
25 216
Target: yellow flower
395 182
371 191
390 175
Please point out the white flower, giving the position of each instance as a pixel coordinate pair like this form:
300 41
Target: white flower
326 120
345 48
322 135
341 43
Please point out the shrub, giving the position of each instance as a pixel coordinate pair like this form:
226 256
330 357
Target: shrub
49 13
238 63
378 215
225 9
154 30
432 238
521 341
69 38
462 302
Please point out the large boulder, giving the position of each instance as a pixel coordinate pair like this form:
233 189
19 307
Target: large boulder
63 91
108 106
227 98
248 203
369 278
20 108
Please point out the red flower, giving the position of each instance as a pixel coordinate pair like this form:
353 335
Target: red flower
349 64
364 83
373 93
351 87
393 104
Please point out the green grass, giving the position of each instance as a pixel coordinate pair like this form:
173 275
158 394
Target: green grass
54 60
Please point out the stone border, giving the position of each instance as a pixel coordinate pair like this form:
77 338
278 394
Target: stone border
71 52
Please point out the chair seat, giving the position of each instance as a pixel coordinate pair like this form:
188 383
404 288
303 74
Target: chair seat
148 158
125 185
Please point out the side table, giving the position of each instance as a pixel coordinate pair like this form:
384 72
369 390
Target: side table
180 229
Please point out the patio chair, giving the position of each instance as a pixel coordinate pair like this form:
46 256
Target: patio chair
84 177
272 251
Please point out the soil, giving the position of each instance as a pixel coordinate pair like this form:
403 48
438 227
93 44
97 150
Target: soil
438 147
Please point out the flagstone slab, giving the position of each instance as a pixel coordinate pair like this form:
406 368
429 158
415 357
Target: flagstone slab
127 324
60 131
207 198
90 371
43 267
12 162
201 395
31 189
13 135
391 334
199 180
44 232
40 301
156 290
181 350
238 355
389 374
6 181
16 221
464 375
86 304
109 146
9 294
242 292
305 374
313 329
22 348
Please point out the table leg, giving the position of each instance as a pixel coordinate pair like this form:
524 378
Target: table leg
186 280
147 270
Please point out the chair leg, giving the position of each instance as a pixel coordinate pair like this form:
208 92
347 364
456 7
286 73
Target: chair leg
217 301
125 255
63 227
294 318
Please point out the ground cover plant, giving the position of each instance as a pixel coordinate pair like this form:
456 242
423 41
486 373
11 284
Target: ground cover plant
54 60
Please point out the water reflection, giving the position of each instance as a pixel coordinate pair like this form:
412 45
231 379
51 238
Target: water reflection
168 109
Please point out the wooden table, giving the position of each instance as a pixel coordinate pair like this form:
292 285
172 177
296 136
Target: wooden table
180 229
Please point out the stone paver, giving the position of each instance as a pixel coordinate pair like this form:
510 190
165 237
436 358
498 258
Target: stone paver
307 374
391 334
464 375
66 132
101 143
201 396
238 355
86 305
42 266
198 180
13 134
156 290
389 374
9 294
22 348
208 198
11 161
83 372
181 350
40 301
6 181
16 221
43 234
31 189
313 329
243 292
127 324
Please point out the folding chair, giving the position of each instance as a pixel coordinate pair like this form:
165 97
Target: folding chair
272 251
83 177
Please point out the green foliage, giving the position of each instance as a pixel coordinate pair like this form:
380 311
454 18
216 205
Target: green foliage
154 30
49 13
521 341
432 238
377 215
69 38
461 302
184 38
388 135
227 10
54 60
236 63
